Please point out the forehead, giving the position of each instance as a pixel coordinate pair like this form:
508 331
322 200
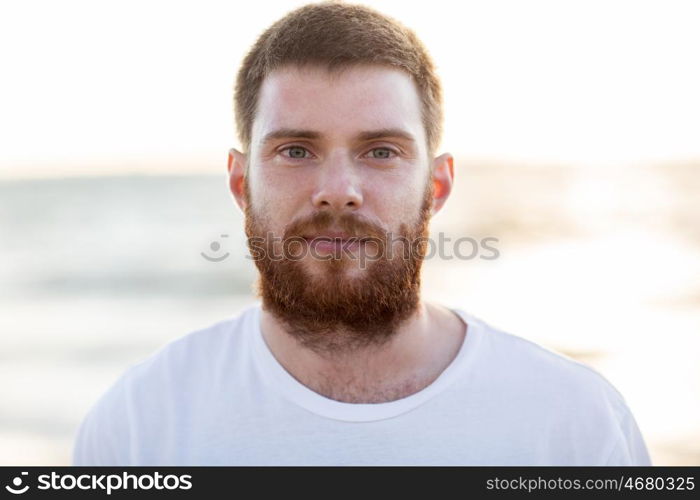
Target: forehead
339 104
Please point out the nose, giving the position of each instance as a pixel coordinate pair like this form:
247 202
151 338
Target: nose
338 186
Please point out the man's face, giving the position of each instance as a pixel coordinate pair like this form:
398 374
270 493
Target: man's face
339 156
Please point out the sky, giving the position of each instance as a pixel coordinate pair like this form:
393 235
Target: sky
96 87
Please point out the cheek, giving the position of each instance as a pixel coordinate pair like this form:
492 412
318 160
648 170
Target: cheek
285 184
264 190
396 204
275 201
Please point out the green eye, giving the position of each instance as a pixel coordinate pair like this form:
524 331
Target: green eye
296 152
382 153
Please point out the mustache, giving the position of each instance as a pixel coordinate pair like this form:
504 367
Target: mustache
354 225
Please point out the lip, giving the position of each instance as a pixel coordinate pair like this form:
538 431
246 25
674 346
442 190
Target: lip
332 242
330 235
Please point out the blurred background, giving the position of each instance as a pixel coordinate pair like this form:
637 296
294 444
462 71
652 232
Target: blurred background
576 132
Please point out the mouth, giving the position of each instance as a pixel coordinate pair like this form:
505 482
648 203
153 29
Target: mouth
329 235
332 241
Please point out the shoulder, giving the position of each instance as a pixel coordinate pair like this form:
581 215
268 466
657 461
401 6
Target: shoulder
194 356
533 368
179 371
567 397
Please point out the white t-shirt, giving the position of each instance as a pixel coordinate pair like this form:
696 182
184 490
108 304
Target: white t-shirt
218 396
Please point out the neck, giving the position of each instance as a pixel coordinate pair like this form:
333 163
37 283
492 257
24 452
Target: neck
421 348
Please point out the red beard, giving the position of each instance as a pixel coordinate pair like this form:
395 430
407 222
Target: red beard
334 312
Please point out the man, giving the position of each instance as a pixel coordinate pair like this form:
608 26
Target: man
339 114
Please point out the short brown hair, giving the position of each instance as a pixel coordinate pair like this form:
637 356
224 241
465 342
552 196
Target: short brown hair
336 36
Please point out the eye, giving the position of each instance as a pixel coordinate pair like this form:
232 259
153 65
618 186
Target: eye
382 153
295 152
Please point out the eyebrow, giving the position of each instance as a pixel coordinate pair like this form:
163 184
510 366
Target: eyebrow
384 133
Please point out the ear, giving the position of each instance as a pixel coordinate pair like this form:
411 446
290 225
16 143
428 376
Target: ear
236 176
443 179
